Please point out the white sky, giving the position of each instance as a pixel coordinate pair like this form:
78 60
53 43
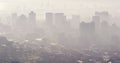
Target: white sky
85 8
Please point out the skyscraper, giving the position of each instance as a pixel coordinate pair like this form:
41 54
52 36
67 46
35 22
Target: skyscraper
96 20
32 19
75 21
60 19
87 29
22 22
49 18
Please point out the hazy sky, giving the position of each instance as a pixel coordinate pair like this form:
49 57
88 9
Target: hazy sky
85 8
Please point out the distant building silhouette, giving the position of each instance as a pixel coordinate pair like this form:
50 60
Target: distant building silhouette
49 18
32 19
32 16
104 16
105 29
104 25
22 22
75 21
87 29
60 19
96 20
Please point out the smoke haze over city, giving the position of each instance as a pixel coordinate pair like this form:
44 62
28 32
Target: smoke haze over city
59 31
67 6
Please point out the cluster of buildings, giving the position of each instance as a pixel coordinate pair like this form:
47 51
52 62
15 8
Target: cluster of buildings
99 21
63 39
23 22
58 25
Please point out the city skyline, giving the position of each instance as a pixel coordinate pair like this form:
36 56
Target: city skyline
59 31
68 7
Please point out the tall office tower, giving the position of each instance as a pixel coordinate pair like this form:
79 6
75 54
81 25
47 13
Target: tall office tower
75 21
22 22
60 19
49 17
87 29
96 20
104 16
32 19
